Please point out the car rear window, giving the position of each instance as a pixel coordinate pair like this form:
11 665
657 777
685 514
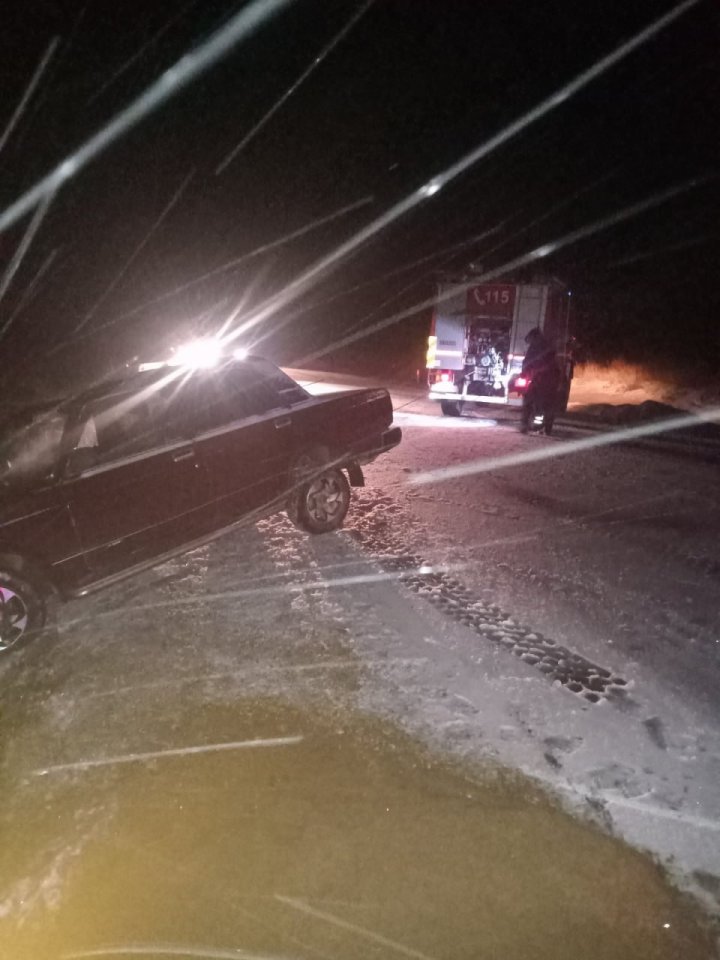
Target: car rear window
287 390
208 400
211 399
244 387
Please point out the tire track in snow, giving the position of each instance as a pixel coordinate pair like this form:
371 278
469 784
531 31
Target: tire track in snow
296 554
380 527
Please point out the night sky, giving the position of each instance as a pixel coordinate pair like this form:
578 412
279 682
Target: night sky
410 88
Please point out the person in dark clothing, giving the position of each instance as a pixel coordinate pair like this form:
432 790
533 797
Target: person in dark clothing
540 367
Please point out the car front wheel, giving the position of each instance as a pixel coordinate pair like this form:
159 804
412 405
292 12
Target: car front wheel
22 611
321 504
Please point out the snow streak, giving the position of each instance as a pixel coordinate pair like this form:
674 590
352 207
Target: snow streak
29 90
302 283
426 258
170 950
274 590
141 50
294 86
351 927
137 251
159 754
238 261
539 253
31 288
487 464
22 249
185 70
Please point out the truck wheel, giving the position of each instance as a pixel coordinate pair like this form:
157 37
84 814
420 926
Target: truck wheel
321 504
22 610
451 408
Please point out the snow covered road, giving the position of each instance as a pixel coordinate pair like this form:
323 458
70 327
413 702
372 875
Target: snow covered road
559 618
602 572
614 556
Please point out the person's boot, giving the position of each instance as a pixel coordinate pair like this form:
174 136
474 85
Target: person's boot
525 418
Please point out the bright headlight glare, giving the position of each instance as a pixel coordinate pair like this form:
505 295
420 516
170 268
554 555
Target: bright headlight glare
198 353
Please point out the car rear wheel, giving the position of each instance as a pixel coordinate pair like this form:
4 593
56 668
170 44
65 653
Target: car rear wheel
22 610
320 505
451 408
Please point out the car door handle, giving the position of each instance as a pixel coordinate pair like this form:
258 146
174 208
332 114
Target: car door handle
282 422
186 454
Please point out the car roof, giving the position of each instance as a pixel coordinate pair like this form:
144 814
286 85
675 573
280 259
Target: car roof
140 380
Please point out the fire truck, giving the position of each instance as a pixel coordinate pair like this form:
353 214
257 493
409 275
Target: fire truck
477 341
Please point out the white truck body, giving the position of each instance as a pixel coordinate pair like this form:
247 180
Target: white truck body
477 342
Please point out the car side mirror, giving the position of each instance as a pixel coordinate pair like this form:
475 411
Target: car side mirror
80 460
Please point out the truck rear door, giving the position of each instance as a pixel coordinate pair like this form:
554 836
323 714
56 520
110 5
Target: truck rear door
446 344
529 313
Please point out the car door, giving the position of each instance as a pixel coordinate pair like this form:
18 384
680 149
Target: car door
132 494
257 453
242 432
34 520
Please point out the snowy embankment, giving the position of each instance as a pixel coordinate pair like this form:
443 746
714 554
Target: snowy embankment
628 384
626 395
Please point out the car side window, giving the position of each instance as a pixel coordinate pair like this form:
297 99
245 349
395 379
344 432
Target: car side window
34 449
115 427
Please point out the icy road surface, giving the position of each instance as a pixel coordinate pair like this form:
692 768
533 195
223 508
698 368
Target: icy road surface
283 745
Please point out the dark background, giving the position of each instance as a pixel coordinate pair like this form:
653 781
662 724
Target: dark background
413 86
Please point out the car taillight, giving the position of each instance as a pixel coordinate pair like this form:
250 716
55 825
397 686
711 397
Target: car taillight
522 382
445 377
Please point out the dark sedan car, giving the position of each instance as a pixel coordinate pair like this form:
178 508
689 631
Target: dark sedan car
156 463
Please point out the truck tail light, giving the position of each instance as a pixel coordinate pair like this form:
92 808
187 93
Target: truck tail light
441 377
